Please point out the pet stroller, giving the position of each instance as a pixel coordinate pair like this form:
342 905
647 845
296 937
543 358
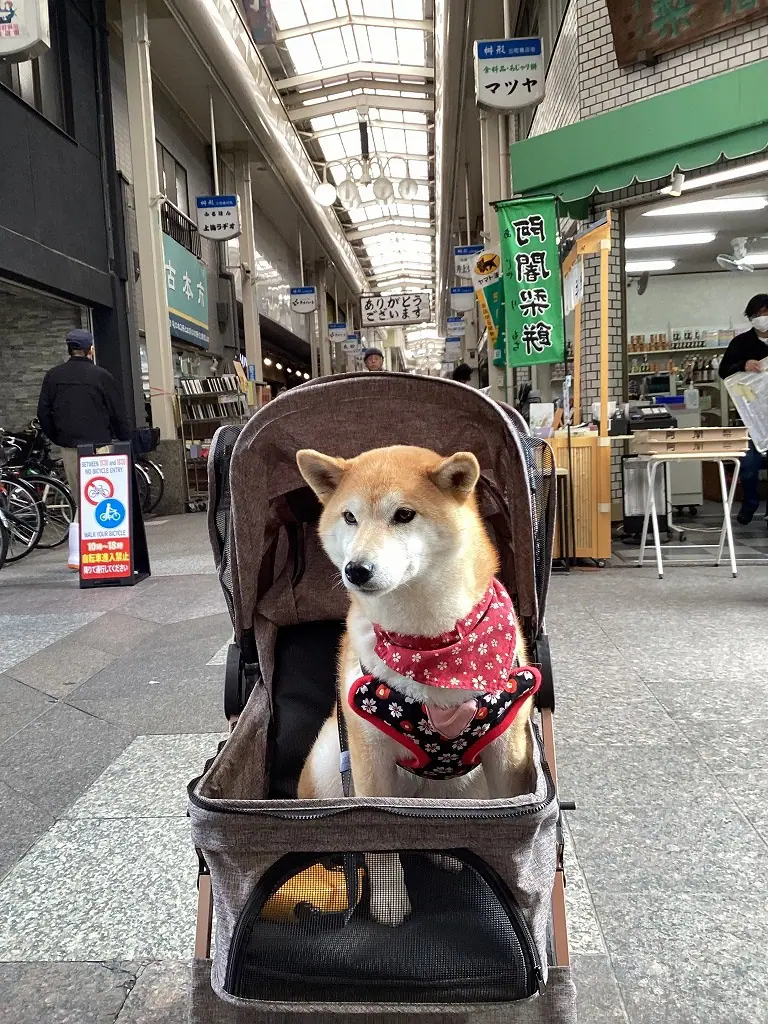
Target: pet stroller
286 879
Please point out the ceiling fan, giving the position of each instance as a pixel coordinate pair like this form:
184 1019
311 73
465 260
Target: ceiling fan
735 259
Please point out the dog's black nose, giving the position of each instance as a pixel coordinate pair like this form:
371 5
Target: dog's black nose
358 573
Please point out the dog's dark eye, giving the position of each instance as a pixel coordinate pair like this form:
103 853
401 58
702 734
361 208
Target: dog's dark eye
349 519
404 515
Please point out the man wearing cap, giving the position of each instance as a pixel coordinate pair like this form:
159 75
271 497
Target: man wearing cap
373 359
80 404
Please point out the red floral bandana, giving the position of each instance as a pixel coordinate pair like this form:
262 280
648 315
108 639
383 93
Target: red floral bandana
477 654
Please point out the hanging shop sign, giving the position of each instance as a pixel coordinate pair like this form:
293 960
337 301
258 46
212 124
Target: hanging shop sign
462 259
533 300
573 287
457 325
462 298
186 289
488 283
352 344
24 30
509 73
642 29
337 333
304 299
452 350
105 520
391 310
218 217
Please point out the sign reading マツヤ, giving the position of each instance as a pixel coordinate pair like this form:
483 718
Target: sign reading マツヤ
105 520
532 285
644 28
509 73
391 310
304 299
462 259
218 217
186 289
24 30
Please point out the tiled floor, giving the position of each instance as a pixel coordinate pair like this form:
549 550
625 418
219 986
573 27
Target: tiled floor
110 701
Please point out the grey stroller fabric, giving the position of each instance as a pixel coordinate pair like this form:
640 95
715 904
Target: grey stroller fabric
555 1006
241 834
275 574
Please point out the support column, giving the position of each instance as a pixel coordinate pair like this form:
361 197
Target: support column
141 121
251 327
492 189
321 319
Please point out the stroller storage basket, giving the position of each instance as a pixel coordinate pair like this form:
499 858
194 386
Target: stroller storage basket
470 881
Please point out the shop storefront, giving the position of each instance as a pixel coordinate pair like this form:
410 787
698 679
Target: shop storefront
683 177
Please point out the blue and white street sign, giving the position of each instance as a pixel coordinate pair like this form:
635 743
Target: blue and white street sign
509 73
218 217
463 257
462 298
303 300
337 332
457 326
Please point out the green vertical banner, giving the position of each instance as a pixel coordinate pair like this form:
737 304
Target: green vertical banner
533 301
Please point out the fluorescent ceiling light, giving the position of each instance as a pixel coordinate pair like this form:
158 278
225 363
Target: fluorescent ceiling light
734 174
655 241
727 204
756 259
640 266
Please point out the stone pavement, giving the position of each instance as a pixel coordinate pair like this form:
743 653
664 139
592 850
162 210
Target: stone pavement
110 701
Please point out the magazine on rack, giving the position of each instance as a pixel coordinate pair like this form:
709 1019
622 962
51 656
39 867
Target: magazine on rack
749 392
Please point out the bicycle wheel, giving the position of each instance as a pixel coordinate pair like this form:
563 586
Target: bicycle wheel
156 484
25 516
4 539
143 484
59 508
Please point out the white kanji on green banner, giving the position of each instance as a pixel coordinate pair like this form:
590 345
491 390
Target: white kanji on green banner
533 302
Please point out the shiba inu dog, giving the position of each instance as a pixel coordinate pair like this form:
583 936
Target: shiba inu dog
433 678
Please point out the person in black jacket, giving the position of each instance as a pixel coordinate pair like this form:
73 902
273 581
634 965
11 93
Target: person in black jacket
80 404
744 353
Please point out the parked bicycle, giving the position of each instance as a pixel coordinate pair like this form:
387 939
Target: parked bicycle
23 513
29 460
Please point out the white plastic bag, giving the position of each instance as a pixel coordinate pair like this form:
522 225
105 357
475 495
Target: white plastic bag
749 392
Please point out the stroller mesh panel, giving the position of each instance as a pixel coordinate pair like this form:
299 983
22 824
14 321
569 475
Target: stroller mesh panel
308 925
541 470
220 457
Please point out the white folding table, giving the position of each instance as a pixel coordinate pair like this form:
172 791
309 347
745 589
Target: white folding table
652 463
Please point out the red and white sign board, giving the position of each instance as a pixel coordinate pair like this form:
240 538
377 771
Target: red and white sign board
105 518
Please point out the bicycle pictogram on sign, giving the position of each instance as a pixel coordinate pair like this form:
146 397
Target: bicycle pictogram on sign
98 489
110 513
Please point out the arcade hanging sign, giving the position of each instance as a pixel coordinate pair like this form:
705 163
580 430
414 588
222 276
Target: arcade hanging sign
304 299
509 73
392 310
533 299
218 217
24 30
642 29
337 333
462 259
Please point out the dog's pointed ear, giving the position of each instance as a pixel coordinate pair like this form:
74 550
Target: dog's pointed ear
457 475
323 473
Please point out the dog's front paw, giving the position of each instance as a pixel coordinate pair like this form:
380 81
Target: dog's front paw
390 908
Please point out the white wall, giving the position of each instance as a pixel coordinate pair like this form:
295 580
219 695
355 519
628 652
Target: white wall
712 301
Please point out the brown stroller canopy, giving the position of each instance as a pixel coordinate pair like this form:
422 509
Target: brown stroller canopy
262 517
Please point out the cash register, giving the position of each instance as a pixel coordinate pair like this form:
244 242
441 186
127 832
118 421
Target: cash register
643 416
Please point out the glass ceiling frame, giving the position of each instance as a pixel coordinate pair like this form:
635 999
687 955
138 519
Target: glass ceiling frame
340 60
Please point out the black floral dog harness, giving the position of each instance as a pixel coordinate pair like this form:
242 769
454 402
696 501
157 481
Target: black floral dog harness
456 750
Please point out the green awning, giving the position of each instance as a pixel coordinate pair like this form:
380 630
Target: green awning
694 126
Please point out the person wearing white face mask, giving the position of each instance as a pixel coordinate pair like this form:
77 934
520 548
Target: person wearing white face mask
744 353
